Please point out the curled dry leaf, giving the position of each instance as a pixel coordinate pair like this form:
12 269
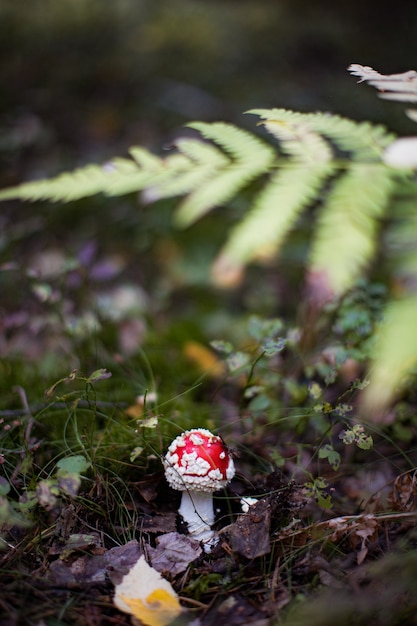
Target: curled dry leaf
358 529
148 597
393 86
249 536
404 493
401 87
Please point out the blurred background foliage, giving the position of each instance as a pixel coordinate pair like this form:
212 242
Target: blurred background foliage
84 80
89 78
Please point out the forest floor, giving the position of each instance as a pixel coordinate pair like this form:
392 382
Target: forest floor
331 535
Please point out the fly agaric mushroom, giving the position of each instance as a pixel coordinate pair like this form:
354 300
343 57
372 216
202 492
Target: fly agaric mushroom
198 463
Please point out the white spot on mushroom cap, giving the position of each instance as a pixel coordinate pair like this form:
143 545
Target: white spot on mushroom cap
197 439
230 470
193 464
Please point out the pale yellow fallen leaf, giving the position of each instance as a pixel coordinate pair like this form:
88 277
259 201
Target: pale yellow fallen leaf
147 596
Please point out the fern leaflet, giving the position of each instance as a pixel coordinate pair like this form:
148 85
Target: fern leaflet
361 140
252 157
260 234
204 162
347 227
395 356
295 134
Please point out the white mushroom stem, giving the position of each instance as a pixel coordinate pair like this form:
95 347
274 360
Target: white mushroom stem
197 511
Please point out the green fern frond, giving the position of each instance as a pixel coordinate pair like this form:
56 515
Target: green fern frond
348 223
347 229
185 182
119 176
260 234
361 140
395 354
251 158
210 173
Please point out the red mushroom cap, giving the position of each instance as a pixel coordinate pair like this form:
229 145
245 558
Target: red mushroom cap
199 461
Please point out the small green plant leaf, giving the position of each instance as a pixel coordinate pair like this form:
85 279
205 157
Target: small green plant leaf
315 390
221 346
10 516
100 374
273 346
77 464
237 361
317 489
4 486
328 452
148 422
342 409
358 436
50 392
260 329
259 403
136 452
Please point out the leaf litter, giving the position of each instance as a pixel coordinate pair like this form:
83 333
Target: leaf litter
272 548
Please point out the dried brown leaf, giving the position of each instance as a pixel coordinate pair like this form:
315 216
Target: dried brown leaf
358 530
174 553
89 569
250 534
404 493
